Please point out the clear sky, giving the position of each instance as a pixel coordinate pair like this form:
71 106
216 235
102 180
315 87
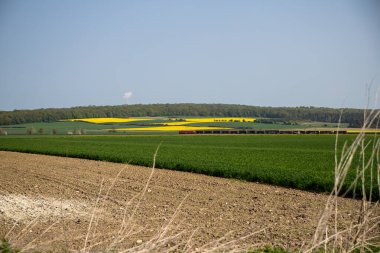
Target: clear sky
62 53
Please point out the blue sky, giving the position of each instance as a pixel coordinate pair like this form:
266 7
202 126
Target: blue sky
266 53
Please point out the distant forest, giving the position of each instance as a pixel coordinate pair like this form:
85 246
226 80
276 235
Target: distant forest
329 115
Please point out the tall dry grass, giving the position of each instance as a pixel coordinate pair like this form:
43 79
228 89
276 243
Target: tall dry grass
170 237
362 234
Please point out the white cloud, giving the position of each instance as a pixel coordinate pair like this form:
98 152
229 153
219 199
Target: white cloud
127 95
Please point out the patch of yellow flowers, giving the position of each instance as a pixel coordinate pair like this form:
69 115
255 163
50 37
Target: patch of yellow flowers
171 128
210 120
174 124
368 131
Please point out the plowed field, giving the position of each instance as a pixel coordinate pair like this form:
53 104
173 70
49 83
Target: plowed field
56 203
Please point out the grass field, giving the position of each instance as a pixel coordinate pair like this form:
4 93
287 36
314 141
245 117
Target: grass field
62 127
303 162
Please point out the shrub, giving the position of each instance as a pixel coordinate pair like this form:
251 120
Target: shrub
31 130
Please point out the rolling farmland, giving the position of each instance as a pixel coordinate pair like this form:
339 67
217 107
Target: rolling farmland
161 125
302 162
192 127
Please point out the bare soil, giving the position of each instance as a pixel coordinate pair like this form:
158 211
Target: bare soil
55 203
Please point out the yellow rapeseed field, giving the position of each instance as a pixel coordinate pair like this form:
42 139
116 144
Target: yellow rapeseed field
174 124
176 121
369 131
210 120
170 128
178 125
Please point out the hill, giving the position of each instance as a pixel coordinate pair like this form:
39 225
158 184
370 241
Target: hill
330 115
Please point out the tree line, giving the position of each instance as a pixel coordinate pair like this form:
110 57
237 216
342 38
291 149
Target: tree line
330 115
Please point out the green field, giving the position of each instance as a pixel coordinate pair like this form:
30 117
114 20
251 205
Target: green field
63 127
303 162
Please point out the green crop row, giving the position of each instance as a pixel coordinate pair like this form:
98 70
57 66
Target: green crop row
296 161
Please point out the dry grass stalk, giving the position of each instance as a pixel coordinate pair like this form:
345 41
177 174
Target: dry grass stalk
363 232
169 234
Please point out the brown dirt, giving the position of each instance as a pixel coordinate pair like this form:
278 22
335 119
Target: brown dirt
49 202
